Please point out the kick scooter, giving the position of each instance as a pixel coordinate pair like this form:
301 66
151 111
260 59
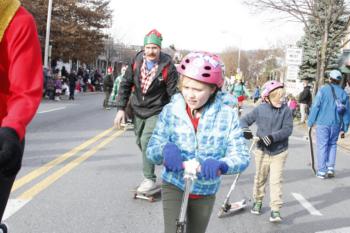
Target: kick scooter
227 207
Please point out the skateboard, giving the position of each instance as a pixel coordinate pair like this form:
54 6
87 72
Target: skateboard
127 126
150 196
312 151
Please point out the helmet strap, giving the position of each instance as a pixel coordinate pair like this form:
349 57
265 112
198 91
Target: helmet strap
268 98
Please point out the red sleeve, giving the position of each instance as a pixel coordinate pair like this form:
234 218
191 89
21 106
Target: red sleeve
25 73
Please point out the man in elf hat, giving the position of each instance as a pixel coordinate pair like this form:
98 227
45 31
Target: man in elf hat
21 80
150 80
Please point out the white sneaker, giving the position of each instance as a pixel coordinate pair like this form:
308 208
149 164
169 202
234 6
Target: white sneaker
146 186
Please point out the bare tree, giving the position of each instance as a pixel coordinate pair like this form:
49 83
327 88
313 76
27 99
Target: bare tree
77 27
324 13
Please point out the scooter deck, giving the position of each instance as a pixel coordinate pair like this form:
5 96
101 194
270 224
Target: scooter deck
234 207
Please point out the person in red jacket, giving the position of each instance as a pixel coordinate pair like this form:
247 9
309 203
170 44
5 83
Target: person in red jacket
21 81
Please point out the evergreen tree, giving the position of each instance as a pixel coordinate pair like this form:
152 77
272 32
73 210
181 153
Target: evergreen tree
312 39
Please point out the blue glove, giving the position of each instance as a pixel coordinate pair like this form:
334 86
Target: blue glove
210 168
172 157
266 140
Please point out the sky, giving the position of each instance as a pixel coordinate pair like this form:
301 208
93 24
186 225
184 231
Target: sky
201 24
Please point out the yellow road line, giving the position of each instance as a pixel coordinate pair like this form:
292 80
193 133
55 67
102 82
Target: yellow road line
32 192
41 170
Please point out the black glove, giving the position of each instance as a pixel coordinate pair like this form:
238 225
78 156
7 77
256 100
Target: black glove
266 140
247 133
10 151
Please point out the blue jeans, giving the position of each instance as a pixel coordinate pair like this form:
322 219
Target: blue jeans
326 138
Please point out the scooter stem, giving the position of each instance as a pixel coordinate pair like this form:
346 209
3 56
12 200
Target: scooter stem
188 186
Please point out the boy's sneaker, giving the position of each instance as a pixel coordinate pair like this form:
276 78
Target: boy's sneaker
321 175
256 209
275 216
330 173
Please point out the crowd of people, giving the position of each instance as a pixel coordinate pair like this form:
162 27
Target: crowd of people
58 82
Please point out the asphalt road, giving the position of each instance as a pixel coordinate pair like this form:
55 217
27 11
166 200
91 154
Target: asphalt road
78 175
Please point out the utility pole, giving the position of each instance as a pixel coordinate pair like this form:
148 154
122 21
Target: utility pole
47 38
239 60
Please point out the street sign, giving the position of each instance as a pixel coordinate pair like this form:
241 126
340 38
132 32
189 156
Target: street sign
294 56
292 72
293 87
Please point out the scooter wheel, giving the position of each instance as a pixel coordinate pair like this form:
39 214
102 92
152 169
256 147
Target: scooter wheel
221 213
151 199
3 228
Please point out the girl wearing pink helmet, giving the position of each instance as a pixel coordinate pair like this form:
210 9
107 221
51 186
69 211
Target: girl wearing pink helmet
274 122
197 124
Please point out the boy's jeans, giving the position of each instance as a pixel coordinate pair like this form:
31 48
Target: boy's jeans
265 165
143 130
326 140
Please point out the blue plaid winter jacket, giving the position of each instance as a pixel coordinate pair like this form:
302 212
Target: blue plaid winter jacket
218 136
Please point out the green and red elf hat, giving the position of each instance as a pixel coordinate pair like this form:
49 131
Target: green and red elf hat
153 37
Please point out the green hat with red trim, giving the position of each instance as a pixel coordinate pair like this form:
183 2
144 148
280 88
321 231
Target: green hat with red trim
153 37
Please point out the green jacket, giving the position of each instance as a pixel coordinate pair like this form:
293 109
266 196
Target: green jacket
115 88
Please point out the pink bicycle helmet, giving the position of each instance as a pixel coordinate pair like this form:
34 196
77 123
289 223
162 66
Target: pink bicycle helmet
202 66
269 86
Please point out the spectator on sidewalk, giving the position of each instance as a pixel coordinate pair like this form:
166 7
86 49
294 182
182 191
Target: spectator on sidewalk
107 87
58 87
72 80
64 74
50 87
330 123
21 86
347 87
305 100
292 104
153 77
256 95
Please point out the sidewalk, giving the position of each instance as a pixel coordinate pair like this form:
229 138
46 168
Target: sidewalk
342 142
66 97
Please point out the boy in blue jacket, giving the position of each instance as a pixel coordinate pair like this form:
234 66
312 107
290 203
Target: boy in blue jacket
197 124
275 124
330 123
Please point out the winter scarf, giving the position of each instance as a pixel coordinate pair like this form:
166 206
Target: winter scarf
8 9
